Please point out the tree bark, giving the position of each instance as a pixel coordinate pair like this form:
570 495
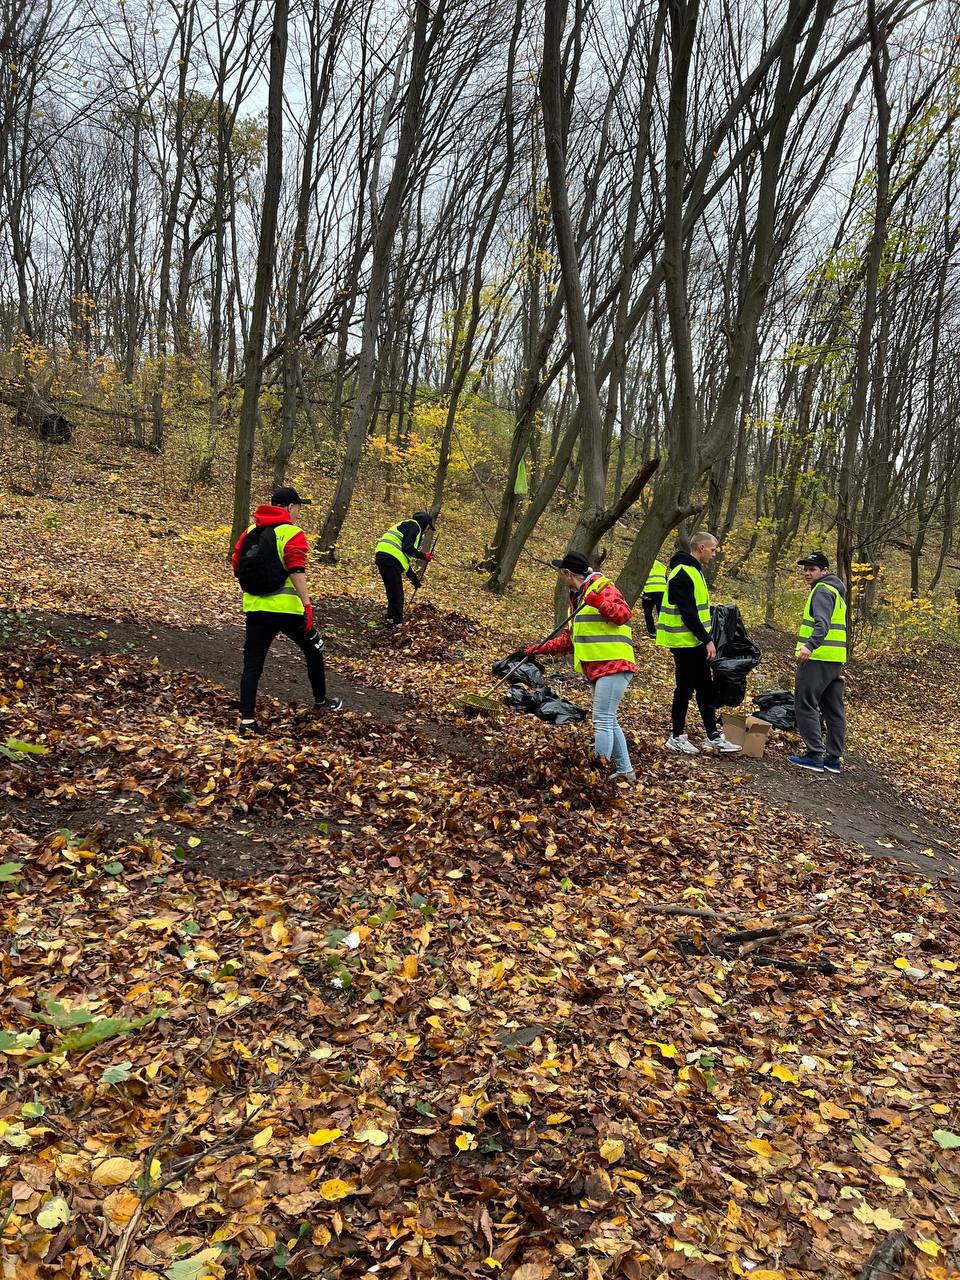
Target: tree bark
253 354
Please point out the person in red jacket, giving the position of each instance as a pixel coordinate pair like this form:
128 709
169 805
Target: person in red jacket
601 627
277 608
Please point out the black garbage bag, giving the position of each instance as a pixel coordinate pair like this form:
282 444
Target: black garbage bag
528 671
539 700
737 655
522 699
729 691
777 708
560 711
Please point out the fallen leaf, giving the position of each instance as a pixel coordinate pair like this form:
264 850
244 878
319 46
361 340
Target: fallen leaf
53 1214
115 1171
322 1137
336 1189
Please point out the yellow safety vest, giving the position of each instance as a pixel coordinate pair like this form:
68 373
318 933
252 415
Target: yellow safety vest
672 631
286 599
595 639
833 646
656 583
392 543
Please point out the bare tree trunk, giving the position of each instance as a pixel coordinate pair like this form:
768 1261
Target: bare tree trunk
846 495
363 405
253 355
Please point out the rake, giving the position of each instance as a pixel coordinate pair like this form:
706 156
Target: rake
485 703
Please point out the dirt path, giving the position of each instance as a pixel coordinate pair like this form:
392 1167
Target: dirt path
215 653
861 806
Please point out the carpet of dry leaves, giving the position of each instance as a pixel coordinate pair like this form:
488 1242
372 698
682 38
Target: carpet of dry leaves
424 996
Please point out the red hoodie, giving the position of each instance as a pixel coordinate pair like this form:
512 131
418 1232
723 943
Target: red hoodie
612 607
294 553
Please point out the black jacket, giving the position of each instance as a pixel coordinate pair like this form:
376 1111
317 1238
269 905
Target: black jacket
409 531
680 594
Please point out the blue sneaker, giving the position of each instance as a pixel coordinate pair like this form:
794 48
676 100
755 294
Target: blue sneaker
808 761
832 764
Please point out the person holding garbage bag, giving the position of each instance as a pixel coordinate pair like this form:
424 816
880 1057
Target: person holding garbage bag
683 627
821 653
598 634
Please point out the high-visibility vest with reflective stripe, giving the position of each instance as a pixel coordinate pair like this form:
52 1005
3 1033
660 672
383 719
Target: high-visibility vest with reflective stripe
286 599
656 583
833 646
392 543
595 639
672 631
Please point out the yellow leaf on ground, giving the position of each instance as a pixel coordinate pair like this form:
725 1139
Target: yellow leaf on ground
410 966
929 1247
901 962
115 1172
885 1221
336 1189
761 1146
781 1072
262 1138
321 1137
611 1149
54 1214
465 1142
376 1137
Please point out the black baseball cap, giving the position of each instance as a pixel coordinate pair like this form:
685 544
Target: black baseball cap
286 497
425 519
574 562
817 559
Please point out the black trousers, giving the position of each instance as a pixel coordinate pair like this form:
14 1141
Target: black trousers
693 677
391 571
262 630
652 604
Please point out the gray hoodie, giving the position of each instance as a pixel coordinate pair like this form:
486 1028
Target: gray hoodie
821 606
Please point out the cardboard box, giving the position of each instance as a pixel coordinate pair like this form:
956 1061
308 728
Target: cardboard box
748 732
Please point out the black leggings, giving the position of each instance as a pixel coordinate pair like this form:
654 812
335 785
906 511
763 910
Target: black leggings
652 604
391 571
262 630
693 676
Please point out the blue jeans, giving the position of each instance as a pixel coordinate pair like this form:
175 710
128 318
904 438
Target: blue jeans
608 740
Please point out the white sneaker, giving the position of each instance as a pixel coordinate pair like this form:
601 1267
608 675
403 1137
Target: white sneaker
680 742
722 744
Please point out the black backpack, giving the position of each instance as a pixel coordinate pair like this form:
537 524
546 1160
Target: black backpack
260 571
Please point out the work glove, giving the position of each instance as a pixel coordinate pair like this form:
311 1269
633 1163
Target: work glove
308 618
528 653
416 581
428 556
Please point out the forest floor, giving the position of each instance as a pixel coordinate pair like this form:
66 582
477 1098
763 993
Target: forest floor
396 992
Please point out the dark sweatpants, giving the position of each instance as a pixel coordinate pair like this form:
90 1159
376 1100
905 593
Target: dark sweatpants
652 604
693 677
391 571
819 691
262 629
